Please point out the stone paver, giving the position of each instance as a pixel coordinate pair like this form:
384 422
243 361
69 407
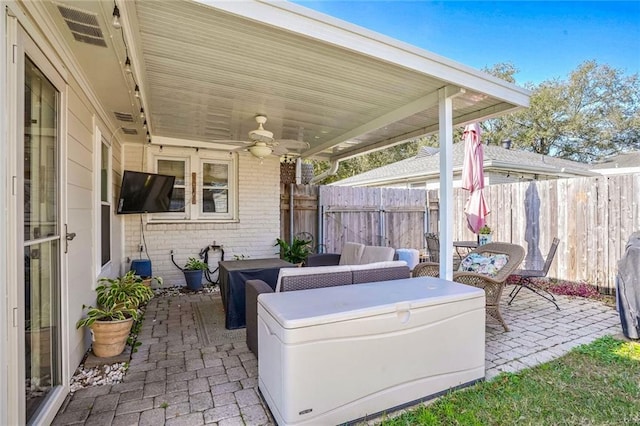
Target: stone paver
174 380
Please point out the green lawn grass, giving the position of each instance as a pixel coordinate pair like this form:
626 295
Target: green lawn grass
595 384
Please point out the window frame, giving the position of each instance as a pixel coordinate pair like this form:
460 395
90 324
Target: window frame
194 161
100 143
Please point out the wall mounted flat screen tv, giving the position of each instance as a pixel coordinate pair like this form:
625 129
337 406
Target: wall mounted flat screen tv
145 193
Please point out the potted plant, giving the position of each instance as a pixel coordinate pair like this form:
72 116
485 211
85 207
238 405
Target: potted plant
193 270
296 252
110 327
484 235
128 291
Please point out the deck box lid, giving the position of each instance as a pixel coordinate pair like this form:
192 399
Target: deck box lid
304 308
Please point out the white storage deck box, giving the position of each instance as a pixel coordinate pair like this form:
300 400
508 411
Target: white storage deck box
337 354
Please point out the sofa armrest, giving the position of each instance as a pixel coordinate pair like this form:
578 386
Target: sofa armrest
322 259
253 289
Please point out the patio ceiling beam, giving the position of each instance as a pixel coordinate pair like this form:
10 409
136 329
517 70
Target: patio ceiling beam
360 149
407 110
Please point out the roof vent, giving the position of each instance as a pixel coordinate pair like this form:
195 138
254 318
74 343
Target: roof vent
506 144
83 25
129 131
124 116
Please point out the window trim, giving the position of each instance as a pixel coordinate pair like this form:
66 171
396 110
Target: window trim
194 163
101 141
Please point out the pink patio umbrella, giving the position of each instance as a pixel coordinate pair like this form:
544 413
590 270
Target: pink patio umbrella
473 178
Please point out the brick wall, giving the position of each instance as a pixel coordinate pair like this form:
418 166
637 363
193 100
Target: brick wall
254 235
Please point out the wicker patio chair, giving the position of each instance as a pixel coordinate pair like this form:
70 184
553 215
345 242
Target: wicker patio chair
493 286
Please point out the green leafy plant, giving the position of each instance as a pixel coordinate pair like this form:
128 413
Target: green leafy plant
126 291
108 313
194 264
485 230
296 252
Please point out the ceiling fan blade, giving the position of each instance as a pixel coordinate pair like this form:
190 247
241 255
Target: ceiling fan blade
294 144
280 150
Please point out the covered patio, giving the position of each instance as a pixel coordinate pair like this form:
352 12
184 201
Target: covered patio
174 87
176 379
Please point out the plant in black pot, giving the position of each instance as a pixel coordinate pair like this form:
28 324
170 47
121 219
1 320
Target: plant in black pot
296 252
193 270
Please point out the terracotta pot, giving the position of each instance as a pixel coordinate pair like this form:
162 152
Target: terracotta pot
110 337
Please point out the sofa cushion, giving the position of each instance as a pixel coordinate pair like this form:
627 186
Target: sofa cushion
373 254
343 272
351 253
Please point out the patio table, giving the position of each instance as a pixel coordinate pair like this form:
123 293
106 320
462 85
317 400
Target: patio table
463 247
234 274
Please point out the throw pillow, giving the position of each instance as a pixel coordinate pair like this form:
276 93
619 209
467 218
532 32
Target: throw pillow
485 265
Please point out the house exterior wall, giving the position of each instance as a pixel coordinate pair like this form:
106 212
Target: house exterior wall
82 198
252 235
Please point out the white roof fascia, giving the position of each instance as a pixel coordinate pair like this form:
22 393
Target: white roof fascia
308 23
540 169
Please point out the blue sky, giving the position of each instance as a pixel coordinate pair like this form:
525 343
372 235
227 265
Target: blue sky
543 39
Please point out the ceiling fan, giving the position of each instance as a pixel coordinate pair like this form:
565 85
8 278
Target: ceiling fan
262 143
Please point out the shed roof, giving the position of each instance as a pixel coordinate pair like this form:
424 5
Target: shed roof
427 164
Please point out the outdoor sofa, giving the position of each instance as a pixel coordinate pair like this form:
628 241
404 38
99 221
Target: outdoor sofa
353 254
291 279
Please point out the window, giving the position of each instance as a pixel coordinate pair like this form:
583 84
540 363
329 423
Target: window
215 188
175 168
105 203
205 187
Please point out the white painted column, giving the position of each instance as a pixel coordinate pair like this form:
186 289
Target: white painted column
445 106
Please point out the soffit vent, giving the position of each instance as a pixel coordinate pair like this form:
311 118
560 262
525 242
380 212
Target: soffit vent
124 116
83 25
128 131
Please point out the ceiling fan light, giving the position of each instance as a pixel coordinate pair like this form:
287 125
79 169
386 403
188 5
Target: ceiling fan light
260 150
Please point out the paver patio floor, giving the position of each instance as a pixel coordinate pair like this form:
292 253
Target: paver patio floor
173 379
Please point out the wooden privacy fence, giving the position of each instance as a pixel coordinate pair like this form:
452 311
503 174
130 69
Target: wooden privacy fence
593 217
334 215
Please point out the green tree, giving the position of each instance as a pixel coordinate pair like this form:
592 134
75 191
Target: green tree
595 113
373 160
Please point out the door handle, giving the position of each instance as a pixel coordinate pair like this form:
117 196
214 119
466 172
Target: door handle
68 236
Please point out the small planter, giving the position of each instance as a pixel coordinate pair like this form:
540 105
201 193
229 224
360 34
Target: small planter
193 279
110 337
484 239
